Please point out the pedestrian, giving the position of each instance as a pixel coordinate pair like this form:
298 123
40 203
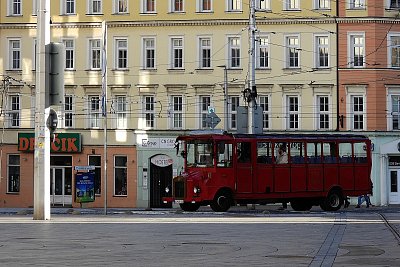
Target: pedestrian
282 156
361 200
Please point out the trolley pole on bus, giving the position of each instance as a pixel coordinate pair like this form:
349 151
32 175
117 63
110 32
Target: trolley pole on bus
252 92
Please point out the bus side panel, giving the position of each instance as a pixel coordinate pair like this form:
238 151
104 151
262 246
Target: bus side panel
298 178
330 176
263 181
362 179
282 178
346 177
315 177
244 178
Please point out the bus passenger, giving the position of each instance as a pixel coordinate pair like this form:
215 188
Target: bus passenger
282 157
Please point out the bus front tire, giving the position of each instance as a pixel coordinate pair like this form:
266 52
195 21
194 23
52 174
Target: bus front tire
300 205
333 201
187 206
222 202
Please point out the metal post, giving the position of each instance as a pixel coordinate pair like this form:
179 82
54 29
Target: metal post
104 109
252 65
41 199
226 112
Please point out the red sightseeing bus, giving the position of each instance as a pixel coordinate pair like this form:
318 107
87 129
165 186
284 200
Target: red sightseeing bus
221 170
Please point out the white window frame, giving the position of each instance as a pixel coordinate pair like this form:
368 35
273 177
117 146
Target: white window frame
92 5
15 54
34 54
265 103
118 4
144 7
396 48
172 6
263 5
325 111
295 47
389 4
34 7
352 46
98 50
295 112
18 187
121 63
263 43
289 5
177 62
148 112
200 6
94 112
234 102
234 43
392 92
70 51
176 112
148 46
124 188
234 5
69 111
121 112
203 110
14 114
205 44
356 4
322 4
66 6
14 8
319 46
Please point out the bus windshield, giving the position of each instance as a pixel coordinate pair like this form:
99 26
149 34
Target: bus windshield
199 153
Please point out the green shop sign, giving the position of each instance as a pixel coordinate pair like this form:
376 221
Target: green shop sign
62 143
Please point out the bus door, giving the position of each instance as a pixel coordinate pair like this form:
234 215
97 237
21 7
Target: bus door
331 167
346 166
281 168
263 180
298 177
315 175
244 170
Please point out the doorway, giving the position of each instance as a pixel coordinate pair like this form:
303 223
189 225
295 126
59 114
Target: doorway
160 177
60 181
394 192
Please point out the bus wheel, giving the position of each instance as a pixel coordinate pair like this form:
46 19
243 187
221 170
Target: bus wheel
222 202
333 201
300 205
187 206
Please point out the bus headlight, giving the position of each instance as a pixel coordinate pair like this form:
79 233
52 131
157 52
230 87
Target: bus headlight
196 190
167 189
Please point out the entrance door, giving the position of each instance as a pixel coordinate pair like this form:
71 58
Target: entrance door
244 168
160 177
394 194
61 186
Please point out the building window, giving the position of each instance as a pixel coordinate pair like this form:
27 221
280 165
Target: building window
263 5
394 3
34 56
15 111
177 112
95 54
322 51
149 53
205 102
121 46
394 51
292 52
68 112
149 6
68 7
322 4
205 53
234 52
120 111
69 45
95 7
233 105
293 112
292 4
148 110
34 7
323 112
357 51
94 111
15 54
204 5
121 6
357 105
264 104
177 53
234 5
395 112
95 160
262 53
176 5
120 175
14 7
13 178
356 4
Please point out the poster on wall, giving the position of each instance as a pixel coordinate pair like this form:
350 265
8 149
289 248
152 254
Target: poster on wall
84 184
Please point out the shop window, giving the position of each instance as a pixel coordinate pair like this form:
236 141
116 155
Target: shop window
13 178
96 162
120 176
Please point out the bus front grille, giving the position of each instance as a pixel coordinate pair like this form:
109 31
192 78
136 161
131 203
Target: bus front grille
179 191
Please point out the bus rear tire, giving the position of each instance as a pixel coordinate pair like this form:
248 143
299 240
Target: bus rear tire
333 201
187 206
222 201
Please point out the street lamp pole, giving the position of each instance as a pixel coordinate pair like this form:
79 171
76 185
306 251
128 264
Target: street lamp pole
226 113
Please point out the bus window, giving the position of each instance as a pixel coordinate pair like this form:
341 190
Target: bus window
281 155
314 153
360 152
224 155
297 153
330 152
199 154
345 153
264 153
244 152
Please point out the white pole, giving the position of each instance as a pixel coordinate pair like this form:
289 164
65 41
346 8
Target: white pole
104 108
252 65
41 199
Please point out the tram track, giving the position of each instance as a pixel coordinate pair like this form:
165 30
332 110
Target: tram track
392 229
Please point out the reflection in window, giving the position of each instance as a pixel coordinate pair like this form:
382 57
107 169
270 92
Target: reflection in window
120 176
13 174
